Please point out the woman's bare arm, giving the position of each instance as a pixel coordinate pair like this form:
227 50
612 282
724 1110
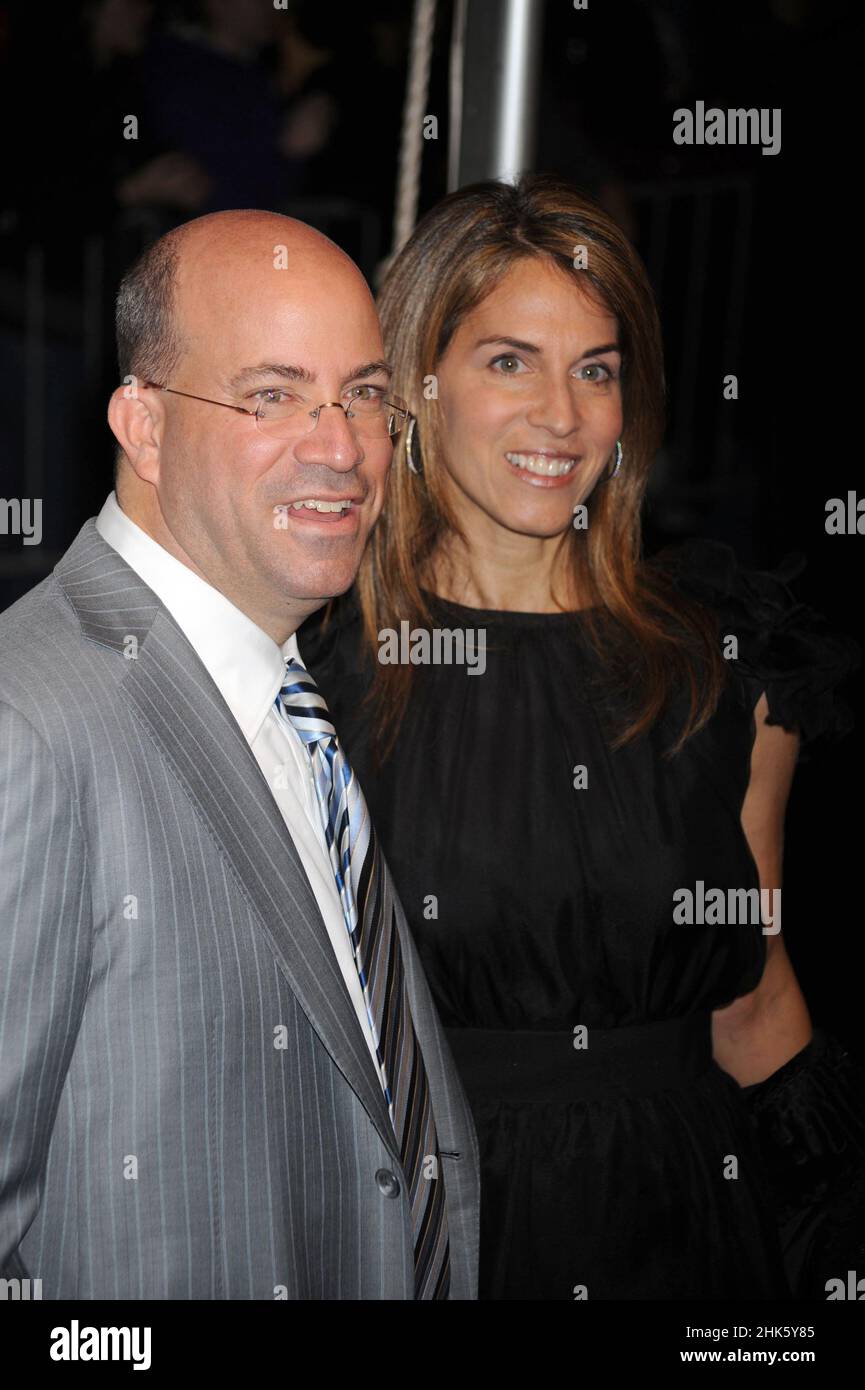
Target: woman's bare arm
759 1032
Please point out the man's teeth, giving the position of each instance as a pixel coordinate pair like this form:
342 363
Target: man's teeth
542 463
315 505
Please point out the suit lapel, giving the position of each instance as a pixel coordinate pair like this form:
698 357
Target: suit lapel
191 725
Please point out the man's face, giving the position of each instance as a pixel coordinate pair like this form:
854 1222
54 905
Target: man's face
226 489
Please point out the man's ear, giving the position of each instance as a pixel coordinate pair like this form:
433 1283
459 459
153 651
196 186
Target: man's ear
136 418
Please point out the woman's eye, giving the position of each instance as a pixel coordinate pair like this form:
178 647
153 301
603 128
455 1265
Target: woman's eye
508 363
598 367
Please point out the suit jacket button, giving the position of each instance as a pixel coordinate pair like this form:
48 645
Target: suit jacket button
388 1182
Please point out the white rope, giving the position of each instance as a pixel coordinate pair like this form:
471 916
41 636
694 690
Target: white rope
412 142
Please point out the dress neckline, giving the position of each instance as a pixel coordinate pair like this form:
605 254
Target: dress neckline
510 616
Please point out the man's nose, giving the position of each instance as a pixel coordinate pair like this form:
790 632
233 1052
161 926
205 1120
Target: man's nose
330 439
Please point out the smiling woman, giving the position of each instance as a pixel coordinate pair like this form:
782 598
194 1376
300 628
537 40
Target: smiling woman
524 407
534 315
543 822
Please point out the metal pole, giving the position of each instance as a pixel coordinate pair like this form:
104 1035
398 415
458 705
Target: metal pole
495 62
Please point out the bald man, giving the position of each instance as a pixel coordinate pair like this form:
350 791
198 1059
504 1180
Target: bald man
221 1072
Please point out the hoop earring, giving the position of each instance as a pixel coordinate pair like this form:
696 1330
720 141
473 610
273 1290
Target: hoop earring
614 470
409 450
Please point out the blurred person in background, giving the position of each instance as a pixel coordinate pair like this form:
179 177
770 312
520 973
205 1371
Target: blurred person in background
210 90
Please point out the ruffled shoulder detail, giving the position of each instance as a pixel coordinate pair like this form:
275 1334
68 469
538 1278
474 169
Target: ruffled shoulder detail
785 648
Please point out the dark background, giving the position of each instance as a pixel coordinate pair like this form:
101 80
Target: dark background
755 259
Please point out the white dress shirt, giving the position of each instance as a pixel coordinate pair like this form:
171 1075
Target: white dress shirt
248 669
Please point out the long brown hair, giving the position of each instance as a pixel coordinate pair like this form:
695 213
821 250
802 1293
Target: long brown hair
457 255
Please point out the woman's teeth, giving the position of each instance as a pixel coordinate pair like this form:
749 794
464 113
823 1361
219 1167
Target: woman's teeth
542 463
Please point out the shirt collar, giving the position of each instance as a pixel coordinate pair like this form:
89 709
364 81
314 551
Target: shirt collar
246 664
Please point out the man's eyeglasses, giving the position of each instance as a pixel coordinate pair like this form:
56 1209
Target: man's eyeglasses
369 412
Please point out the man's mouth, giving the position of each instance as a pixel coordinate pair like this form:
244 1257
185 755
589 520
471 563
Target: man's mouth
546 465
343 513
322 504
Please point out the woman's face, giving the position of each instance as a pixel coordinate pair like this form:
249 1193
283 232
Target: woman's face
530 394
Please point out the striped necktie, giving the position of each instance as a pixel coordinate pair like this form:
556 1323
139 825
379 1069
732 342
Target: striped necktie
358 868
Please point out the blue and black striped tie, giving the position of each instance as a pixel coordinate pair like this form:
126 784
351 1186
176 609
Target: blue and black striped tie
358 868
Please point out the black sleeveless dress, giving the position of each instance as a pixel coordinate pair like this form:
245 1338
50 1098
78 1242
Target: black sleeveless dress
618 1160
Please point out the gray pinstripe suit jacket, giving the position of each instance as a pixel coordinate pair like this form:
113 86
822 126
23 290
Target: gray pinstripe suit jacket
188 1108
